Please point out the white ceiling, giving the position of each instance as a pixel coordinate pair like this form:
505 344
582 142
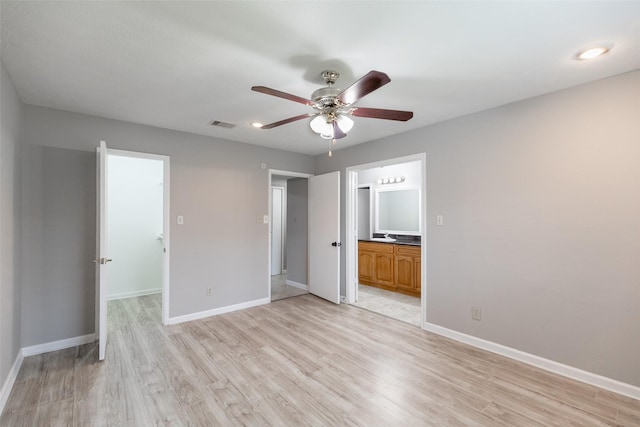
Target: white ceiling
179 65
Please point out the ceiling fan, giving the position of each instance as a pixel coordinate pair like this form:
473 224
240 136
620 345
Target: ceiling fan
332 106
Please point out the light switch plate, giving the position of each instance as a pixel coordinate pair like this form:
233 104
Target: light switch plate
180 220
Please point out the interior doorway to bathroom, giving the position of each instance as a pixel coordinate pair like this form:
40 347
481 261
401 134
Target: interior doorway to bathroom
385 248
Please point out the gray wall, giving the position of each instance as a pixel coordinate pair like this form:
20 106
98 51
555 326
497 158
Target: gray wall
217 185
11 113
297 224
541 205
59 229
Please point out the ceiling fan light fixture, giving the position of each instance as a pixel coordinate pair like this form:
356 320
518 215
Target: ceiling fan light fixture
331 105
344 123
321 126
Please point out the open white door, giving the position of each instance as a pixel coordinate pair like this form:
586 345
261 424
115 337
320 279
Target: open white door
101 249
324 236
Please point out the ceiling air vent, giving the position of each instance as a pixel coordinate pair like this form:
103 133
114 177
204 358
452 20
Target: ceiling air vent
222 124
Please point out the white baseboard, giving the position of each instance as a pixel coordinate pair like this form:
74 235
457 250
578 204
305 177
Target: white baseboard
540 362
216 311
132 294
57 345
32 351
297 285
11 379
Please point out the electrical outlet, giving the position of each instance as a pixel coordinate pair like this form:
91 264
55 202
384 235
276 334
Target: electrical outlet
476 313
209 292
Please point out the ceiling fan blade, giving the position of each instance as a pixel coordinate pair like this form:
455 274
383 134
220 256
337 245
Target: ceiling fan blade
337 132
368 83
289 120
379 113
280 94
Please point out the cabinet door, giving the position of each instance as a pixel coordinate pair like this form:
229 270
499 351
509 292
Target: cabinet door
405 272
366 267
384 269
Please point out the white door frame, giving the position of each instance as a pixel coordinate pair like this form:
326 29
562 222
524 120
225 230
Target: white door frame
351 248
282 224
282 173
165 223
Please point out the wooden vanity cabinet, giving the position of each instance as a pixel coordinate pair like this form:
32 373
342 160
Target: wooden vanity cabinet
390 266
366 265
407 268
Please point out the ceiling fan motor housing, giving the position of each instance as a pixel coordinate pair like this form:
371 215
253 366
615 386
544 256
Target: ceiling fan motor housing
326 97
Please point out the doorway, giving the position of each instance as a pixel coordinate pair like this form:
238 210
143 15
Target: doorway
288 251
400 289
134 236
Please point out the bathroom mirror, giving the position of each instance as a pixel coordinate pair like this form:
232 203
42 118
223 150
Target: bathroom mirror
398 211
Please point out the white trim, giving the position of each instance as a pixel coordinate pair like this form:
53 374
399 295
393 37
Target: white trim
166 238
216 311
57 345
10 381
132 294
289 173
539 362
297 285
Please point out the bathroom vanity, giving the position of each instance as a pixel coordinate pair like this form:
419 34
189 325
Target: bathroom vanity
394 266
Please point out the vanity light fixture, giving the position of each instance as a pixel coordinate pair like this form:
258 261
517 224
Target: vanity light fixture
593 52
391 180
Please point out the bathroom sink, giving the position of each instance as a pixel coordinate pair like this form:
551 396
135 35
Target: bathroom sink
383 239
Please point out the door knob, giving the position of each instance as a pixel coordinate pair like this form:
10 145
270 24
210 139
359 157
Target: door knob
336 244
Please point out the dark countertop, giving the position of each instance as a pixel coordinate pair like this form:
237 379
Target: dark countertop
397 242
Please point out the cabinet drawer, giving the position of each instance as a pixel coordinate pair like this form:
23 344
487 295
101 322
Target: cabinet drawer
408 250
385 248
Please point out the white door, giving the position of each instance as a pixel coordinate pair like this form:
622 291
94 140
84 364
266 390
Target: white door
324 236
276 230
101 246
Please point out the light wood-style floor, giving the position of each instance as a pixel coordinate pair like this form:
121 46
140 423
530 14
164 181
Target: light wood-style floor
299 361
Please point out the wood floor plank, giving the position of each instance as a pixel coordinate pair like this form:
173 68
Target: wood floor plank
299 361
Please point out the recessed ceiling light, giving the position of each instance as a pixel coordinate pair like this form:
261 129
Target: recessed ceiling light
256 124
593 52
